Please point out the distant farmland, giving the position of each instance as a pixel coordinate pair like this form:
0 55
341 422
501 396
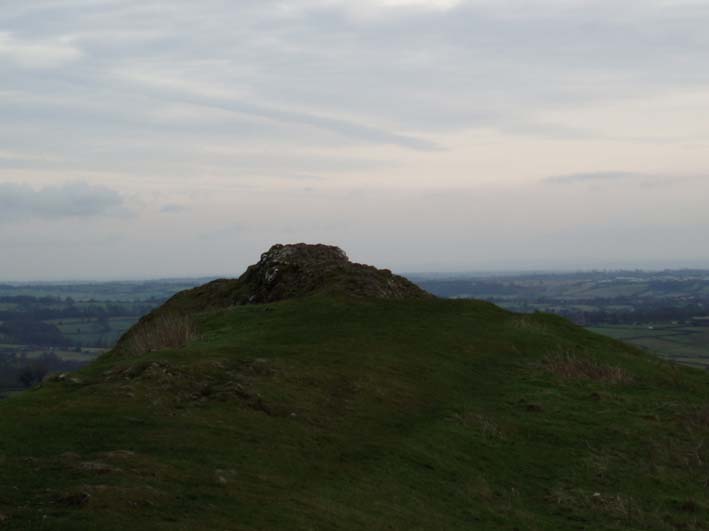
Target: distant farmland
684 344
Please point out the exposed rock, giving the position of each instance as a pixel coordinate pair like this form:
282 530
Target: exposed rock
223 477
97 467
62 377
288 271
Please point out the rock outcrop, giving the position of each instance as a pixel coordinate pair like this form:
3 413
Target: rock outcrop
287 271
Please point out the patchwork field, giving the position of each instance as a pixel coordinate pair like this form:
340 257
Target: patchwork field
677 342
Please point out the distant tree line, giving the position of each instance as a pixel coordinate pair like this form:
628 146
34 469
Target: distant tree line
21 371
31 332
46 308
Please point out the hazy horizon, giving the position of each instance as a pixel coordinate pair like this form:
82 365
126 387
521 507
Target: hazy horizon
153 139
421 273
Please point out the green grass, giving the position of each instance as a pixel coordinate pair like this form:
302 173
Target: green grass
326 413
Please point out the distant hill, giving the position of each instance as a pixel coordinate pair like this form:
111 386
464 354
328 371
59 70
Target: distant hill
314 393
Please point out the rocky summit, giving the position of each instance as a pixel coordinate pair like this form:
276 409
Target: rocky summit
287 271
296 270
283 272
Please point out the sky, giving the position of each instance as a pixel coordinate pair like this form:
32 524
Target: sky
151 138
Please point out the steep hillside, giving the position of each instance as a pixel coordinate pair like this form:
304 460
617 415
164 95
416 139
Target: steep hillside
320 407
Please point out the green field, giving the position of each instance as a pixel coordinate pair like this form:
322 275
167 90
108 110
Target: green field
684 344
87 331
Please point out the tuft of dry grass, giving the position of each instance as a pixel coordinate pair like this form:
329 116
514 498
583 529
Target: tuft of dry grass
697 419
617 506
528 323
572 367
162 332
624 508
487 427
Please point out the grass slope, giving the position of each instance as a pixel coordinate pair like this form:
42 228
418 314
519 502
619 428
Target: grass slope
328 413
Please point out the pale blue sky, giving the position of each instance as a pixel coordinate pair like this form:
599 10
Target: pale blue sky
144 138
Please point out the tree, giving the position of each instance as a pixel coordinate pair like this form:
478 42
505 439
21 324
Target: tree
26 376
35 372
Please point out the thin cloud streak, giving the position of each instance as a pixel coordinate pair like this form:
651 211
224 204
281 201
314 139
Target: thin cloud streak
595 177
623 177
191 95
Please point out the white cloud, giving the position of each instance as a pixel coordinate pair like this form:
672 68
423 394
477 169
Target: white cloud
37 53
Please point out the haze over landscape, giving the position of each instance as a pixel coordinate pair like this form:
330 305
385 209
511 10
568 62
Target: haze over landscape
144 139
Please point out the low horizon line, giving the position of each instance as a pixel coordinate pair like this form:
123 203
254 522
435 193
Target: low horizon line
420 273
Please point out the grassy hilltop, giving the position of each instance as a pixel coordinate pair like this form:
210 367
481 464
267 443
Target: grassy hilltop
318 394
